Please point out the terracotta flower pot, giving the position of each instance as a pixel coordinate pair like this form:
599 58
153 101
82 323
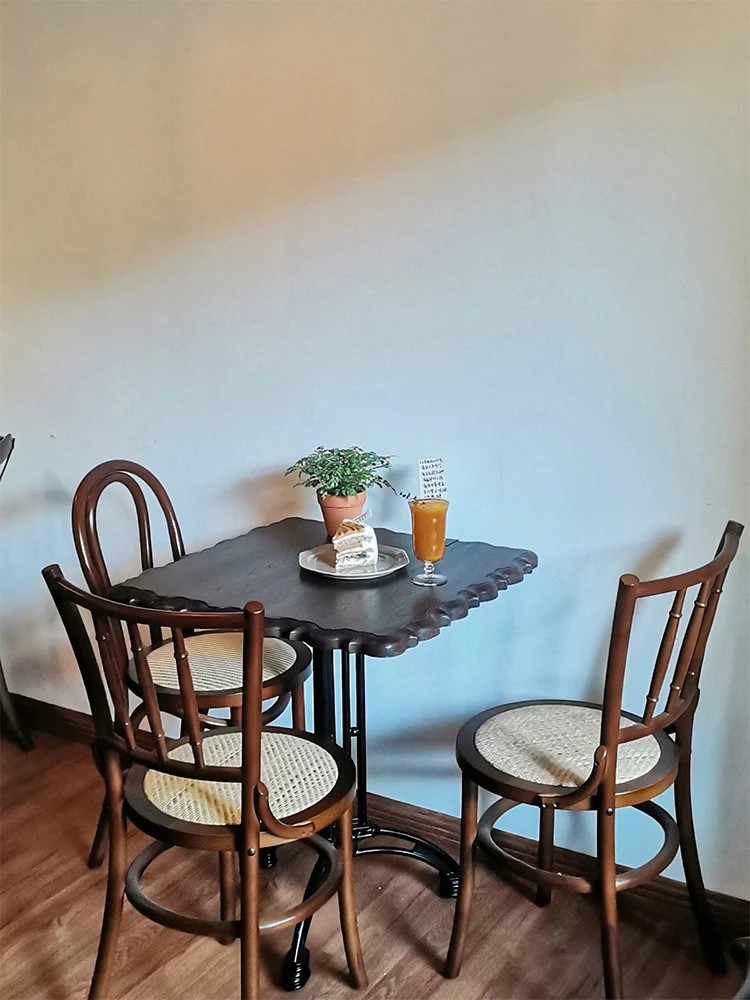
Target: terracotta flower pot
335 509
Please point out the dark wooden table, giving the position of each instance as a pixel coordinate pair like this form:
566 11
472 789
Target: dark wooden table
374 618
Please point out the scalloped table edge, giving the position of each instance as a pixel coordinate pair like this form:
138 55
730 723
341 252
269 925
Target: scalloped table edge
370 644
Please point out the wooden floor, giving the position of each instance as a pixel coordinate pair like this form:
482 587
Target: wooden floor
52 904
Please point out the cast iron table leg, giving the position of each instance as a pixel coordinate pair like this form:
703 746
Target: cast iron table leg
421 849
296 969
297 962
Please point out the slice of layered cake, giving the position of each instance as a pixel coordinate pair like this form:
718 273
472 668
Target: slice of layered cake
355 546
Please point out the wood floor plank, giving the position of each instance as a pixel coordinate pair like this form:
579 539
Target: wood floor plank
51 909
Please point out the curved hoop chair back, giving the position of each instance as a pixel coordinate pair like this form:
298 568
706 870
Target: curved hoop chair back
707 583
85 533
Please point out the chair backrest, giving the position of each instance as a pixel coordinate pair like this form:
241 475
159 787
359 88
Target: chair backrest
85 532
683 687
113 726
7 443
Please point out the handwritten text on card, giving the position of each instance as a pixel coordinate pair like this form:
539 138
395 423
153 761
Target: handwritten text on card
431 478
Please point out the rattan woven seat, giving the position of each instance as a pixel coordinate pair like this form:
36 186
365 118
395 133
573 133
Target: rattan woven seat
297 772
216 662
553 743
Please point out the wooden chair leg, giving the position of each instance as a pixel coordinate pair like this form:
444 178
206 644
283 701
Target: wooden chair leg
707 932
348 905
605 852
227 890
115 880
298 707
466 884
96 854
250 926
235 715
546 851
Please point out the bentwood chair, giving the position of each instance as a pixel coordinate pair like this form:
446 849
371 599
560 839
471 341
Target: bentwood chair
216 658
579 755
233 791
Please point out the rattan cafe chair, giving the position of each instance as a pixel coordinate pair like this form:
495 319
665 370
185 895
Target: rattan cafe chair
216 658
577 755
234 791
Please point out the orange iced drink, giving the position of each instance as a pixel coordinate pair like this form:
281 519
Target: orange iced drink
428 528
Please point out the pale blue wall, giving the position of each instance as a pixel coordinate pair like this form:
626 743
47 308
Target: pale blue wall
210 209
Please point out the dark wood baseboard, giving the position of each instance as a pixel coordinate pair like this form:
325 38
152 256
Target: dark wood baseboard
662 897
54 719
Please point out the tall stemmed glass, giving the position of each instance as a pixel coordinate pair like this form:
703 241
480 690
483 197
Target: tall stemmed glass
428 538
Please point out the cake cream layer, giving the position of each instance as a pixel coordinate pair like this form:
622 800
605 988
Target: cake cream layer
355 545
355 559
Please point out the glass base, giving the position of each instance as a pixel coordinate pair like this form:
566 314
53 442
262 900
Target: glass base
429 579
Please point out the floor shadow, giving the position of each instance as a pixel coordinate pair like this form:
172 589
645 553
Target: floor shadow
402 918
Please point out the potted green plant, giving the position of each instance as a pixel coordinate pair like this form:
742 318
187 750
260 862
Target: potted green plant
341 478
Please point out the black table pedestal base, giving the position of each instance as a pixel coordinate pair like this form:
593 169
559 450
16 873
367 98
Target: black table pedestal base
296 970
421 850
267 858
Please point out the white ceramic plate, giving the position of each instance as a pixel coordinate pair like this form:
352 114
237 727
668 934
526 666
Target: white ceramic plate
323 560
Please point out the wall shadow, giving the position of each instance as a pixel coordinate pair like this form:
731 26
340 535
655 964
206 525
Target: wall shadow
646 567
33 647
735 736
29 503
130 129
269 496
411 752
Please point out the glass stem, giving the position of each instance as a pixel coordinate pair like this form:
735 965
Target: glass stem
429 569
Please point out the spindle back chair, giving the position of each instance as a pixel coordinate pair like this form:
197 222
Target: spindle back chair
194 764
282 685
613 758
683 688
